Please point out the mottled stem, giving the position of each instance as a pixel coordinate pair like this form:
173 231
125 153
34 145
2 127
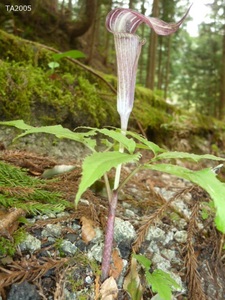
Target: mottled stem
106 259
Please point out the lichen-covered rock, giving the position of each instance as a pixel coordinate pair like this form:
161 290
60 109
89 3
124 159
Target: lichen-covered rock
52 230
68 247
123 230
30 243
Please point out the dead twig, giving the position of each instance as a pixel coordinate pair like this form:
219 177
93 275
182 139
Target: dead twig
195 291
9 220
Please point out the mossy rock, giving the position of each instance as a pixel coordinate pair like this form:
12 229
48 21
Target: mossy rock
72 96
75 95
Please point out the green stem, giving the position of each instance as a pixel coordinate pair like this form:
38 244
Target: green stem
107 185
118 168
129 177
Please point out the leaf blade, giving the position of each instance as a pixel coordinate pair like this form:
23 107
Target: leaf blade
58 130
185 155
72 53
207 180
97 164
146 144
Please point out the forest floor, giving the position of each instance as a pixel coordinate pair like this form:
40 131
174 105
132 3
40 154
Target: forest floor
158 215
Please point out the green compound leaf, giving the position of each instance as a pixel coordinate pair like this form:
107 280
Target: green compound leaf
17 123
116 135
185 155
72 54
145 144
207 180
160 281
144 261
129 144
97 164
57 130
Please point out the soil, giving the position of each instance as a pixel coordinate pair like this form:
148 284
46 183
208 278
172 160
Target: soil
165 211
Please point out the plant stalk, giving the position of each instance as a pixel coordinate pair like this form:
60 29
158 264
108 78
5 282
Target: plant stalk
121 150
108 245
109 236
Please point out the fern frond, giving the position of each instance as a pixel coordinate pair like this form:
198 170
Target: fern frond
7 201
13 176
38 208
19 190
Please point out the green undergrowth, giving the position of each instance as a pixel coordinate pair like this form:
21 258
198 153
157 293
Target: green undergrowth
18 190
9 246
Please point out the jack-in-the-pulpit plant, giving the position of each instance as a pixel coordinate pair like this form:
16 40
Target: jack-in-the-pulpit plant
123 23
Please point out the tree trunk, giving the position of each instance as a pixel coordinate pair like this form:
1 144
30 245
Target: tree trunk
152 50
167 66
131 4
107 39
94 33
160 65
222 84
142 60
82 26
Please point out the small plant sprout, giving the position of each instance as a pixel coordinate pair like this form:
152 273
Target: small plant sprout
74 54
123 23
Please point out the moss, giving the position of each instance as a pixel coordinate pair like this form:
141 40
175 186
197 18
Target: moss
73 96
8 247
31 94
90 102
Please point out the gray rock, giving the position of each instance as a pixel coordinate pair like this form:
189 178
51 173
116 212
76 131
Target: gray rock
68 247
160 262
168 237
181 236
52 230
88 279
75 226
165 193
169 254
98 235
63 214
155 234
44 144
96 252
180 204
30 243
153 247
23 291
126 205
129 213
69 295
42 217
123 230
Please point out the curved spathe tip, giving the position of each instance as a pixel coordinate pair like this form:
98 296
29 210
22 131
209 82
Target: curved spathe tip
126 20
